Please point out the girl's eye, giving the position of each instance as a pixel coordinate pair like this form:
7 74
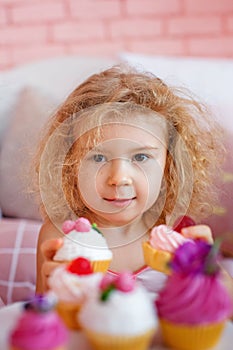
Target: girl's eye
140 157
98 158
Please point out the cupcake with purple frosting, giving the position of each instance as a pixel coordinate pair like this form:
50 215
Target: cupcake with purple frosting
194 305
39 327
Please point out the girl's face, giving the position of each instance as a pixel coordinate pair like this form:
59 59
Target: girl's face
120 179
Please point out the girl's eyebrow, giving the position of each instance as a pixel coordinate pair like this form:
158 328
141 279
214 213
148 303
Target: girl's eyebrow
145 148
95 149
134 150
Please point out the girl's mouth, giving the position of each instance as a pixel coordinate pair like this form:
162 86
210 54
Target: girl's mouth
120 202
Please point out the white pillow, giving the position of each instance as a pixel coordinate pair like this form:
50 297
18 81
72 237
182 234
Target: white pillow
209 79
28 96
30 112
55 76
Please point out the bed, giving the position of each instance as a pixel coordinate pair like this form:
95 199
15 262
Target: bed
29 94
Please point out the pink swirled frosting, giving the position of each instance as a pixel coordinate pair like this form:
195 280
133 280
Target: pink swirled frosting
194 299
162 237
39 331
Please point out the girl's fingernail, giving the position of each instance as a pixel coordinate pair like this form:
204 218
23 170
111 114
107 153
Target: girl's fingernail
184 230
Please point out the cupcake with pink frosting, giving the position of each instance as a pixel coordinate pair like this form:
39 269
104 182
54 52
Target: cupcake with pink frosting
39 327
72 285
83 239
160 247
194 304
121 317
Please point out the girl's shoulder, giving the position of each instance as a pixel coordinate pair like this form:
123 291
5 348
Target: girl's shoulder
50 230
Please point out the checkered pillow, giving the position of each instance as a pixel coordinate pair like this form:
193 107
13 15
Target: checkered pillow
18 239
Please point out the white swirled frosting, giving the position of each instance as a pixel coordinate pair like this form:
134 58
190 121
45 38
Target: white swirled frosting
82 239
91 245
123 314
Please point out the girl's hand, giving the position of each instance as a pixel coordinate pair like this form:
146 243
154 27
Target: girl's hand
45 263
48 250
49 241
198 231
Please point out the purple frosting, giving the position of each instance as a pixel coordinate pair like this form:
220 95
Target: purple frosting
39 331
194 299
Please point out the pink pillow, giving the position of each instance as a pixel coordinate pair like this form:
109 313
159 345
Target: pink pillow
18 240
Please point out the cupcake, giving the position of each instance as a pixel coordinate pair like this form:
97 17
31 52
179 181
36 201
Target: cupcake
194 304
160 247
85 240
121 317
72 284
39 327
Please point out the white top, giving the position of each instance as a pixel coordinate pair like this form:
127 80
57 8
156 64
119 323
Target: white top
151 279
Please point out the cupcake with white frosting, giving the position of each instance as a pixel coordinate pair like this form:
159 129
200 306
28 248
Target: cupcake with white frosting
84 240
72 285
120 317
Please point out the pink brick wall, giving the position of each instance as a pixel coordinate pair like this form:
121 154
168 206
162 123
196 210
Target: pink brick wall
35 29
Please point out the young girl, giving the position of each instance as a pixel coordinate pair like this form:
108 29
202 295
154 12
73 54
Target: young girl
127 152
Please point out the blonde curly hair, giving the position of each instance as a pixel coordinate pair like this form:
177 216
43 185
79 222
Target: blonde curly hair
193 138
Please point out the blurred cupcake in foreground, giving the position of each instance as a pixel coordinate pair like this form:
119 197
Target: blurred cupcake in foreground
84 240
72 285
194 305
122 317
39 327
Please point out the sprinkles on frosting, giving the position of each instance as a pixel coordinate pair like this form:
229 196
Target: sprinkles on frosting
40 303
124 282
80 225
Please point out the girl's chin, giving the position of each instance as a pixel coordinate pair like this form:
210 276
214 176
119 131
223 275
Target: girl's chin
113 220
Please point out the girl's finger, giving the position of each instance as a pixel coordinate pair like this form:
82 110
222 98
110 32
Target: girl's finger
48 268
46 271
198 231
50 247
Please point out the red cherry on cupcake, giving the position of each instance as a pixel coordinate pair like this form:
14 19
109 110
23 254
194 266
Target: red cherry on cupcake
80 266
183 221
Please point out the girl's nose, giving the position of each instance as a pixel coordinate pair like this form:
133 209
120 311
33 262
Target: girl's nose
119 174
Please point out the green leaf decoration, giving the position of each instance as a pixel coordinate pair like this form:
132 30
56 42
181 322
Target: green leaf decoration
107 292
211 265
94 226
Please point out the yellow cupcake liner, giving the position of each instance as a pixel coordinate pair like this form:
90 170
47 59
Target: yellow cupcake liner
97 265
103 341
191 337
69 314
100 265
156 259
